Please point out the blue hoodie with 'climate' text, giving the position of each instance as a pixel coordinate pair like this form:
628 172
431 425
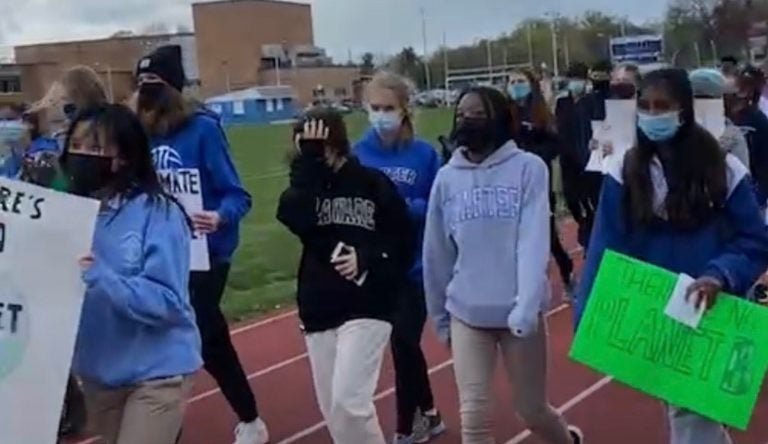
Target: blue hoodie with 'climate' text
202 144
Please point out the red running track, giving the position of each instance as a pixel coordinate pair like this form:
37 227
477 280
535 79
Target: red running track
274 356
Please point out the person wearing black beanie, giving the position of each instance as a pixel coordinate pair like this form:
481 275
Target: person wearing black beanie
185 136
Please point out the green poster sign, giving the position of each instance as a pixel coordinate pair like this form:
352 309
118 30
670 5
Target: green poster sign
715 370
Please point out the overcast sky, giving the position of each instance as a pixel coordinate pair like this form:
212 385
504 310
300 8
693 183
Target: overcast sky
379 26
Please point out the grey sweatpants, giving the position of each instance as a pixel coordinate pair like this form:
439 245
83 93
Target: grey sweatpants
686 427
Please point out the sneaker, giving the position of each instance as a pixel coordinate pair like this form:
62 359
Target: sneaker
576 434
254 432
427 426
403 439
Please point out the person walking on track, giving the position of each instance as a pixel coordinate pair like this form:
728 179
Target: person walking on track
538 134
138 346
677 191
358 247
390 146
184 136
486 252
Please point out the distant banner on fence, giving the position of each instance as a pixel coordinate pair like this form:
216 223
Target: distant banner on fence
184 184
43 233
715 370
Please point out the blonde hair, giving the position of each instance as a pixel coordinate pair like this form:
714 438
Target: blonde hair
402 88
80 85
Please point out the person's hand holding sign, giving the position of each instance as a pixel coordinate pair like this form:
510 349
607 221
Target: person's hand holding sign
704 292
206 222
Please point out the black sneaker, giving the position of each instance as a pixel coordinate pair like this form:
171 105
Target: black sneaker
576 434
427 427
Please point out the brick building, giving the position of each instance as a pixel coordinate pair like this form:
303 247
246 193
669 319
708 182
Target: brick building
237 44
113 58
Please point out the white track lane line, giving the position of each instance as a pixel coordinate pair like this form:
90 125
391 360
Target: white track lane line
384 393
581 396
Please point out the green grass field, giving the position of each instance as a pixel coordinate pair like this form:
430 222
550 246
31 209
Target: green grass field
264 269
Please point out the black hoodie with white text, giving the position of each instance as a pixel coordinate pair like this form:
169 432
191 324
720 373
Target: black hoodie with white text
362 208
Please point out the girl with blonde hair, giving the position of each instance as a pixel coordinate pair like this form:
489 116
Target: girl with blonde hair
390 145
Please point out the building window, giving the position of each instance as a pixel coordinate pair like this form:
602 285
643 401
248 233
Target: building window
215 107
279 103
340 92
270 105
238 107
10 86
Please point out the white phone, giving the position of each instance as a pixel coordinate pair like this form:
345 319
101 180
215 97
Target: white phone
342 249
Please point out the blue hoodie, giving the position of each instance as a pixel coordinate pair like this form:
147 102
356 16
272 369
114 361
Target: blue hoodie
486 244
202 144
732 247
137 323
413 168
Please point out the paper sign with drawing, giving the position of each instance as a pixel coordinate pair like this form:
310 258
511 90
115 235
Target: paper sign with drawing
185 185
617 131
42 235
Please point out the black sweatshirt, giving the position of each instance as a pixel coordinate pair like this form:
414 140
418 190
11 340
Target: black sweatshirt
362 208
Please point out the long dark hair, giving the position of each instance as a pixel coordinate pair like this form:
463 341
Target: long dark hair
541 117
695 165
499 110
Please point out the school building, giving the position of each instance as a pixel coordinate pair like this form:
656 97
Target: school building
236 45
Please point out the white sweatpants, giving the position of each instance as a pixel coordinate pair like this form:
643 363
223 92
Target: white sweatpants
346 363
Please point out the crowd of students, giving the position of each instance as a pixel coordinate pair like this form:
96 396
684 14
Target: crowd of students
392 233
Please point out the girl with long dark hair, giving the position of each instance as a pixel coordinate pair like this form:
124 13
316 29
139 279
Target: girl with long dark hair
138 346
184 136
679 202
486 251
358 247
538 134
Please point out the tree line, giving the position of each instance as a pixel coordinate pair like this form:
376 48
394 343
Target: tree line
696 32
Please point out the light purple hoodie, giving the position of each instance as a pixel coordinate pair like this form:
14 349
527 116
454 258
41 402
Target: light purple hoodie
486 244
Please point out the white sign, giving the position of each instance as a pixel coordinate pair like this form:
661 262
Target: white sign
43 233
618 131
680 309
710 114
184 184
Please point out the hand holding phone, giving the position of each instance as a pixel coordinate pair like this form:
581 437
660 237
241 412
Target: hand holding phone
345 260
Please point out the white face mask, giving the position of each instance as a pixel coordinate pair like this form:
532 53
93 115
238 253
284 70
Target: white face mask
385 121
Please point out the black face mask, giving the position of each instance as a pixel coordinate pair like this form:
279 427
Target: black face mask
151 95
623 91
473 133
88 174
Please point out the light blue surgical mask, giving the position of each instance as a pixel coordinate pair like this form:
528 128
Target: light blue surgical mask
577 87
385 121
519 91
11 134
659 128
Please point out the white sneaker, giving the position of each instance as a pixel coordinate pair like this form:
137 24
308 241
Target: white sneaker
252 432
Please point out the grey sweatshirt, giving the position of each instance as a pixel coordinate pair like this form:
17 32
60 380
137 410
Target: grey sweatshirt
486 244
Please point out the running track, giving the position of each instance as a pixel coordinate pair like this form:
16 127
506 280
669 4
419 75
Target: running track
274 356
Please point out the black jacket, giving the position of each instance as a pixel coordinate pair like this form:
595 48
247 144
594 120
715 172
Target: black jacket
361 207
754 124
574 125
544 143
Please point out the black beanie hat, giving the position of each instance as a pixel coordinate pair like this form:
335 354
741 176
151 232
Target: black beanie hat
165 62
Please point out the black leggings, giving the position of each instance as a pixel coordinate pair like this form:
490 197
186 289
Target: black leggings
412 387
219 355
562 258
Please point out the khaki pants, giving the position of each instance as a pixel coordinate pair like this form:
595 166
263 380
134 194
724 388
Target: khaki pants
474 354
346 363
148 413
